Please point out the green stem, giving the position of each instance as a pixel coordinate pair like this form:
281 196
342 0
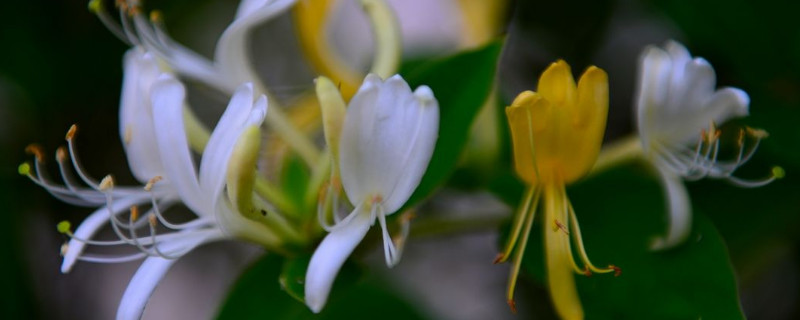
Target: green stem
618 152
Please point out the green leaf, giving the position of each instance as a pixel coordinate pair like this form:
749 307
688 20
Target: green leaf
261 293
620 211
461 84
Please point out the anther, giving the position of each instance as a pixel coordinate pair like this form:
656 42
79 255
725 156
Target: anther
64 227
155 16
617 270
64 248
61 154
778 172
499 258
151 182
740 140
24 169
107 183
134 213
73 129
586 271
128 135
513 306
152 219
757 133
561 226
36 151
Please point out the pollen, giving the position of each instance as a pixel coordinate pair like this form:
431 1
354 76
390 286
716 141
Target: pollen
757 133
134 213
64 227
107 183
152 219
156 16
61 154
152 182
24 169
73 129
36 151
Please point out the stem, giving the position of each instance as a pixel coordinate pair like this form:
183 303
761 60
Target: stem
618 152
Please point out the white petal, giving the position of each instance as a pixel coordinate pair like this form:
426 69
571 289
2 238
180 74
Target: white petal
168 97
136 115
141 287
680 212
421 145
92 224
232 52
153 269
329 258
387 140
653 87
220 145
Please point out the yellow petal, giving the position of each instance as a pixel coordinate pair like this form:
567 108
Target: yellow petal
557 84
333 110
589 124
241 175
527 117
560 277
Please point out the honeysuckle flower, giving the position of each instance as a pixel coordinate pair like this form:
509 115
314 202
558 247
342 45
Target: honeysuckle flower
386 141
556 134
677 110
159 156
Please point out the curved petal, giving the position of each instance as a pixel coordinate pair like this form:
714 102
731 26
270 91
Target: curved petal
418 157
654 79
220 145
232 52
136 116
153 269
329 258
168 97
680 212
350 157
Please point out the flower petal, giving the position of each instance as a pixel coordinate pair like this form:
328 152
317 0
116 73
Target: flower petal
329 258
136 115
232 52
680 212
168 97
220 145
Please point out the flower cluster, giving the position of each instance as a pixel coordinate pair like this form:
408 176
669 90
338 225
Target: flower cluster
379 138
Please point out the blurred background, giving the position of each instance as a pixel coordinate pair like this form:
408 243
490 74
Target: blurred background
60 66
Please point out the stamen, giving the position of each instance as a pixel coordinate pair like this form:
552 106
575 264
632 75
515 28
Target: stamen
36 151
149 186
64 227
107 183
513 306
582 250
73 130
559 225
529 204
134 213
61 154
64 249
517 262
24 169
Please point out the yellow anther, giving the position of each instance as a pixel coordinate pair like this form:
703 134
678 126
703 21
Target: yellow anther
757 133
778 172
24 169
107 183
740 140
96 6
36 151
64 249
61 154
134 213
151 182
152 220
73 129
128 134
64 227
155 16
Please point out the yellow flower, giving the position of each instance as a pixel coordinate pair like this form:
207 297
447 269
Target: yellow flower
556 134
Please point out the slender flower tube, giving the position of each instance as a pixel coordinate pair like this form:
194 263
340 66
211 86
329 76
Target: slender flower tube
556 134
159 156
387 138
677 111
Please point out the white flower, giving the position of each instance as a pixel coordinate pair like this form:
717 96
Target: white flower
387 140
231 65
158 152
677 111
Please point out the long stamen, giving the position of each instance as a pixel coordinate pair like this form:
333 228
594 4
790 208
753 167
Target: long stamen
576 235
517 262
531 200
